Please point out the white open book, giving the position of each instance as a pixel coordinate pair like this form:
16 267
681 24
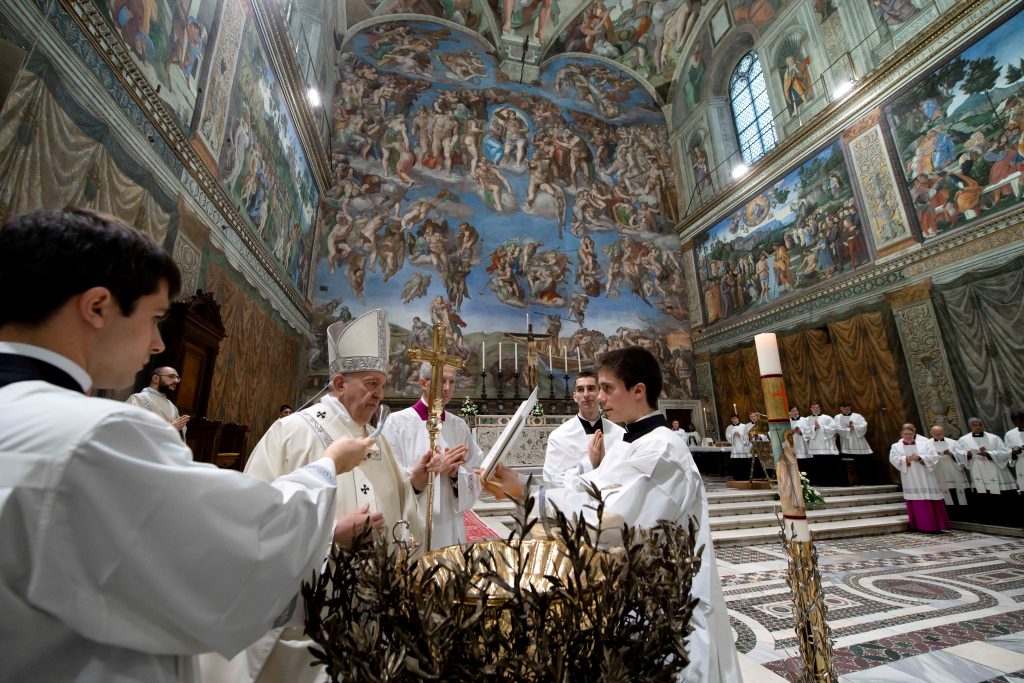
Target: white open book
909 451
508 436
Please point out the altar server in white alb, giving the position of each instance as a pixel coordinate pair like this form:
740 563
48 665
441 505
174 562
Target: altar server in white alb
818 433
799 447
951 473
123 558
851 429
571 444
1014 440
915 458
649 476
379 493
989 458
457 487
738 436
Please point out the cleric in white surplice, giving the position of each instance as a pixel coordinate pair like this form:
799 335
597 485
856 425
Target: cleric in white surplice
457 487
123 558
649 476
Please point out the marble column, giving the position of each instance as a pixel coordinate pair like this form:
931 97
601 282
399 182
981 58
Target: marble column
925 354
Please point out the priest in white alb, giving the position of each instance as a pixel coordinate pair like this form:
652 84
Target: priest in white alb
851 429
915 458
646 477
738 436
379 493
568 446
818 432
951 473
1014 440
989 460
457 487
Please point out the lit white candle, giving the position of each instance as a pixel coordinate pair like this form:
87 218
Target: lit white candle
527 321
734 411
579 360
565 357
499 356
551 356
515 361
768 354
483 355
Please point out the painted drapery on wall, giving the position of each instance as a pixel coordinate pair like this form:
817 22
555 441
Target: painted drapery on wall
54 152
168 40
801 231
958 133
262 165
464 198
258 364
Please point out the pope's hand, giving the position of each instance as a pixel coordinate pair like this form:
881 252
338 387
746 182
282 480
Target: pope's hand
351 525
506 483
348 452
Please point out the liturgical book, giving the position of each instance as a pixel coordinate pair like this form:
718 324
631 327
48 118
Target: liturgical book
508 437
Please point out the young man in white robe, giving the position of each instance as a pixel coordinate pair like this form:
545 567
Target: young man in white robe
989 462
1014 440
457 486
646 477
737 435
156 398
569 445
125 558
915 458
851 429
951 473
378 494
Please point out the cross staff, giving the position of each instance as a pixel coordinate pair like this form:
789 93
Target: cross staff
437 358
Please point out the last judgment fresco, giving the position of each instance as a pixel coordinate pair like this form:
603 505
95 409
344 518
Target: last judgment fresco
462 197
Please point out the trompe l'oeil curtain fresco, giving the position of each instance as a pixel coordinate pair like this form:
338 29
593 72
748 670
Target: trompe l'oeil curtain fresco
981 316
53 153
857 360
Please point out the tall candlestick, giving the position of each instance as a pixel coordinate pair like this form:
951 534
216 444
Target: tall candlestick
565 356
579 360
768 353
483 354
551 356
734 409
515 361
527 321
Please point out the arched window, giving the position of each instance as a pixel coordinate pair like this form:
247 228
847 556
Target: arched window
751 111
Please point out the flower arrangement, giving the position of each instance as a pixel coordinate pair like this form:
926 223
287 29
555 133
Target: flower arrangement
812 496
468 408
492 612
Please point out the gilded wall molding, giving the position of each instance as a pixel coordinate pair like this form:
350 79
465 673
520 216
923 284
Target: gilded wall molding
953 30
89 19
831 301
929 368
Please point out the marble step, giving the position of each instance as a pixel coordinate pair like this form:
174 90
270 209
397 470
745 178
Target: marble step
820 530
826 515
739 496
768 506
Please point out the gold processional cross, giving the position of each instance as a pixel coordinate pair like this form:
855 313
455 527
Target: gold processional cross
437 358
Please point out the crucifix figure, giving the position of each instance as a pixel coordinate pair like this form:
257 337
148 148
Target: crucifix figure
532 355
437 358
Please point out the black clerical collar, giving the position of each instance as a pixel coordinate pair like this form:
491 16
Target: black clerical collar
644 426
587 427
17 368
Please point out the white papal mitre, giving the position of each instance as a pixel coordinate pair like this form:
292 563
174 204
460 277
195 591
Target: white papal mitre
360 345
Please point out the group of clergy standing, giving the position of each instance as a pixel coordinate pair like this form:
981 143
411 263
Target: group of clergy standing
820 443
136 563
976 478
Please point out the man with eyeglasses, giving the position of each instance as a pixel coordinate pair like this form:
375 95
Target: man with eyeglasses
156 398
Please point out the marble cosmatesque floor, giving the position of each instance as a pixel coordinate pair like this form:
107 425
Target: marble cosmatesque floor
903 607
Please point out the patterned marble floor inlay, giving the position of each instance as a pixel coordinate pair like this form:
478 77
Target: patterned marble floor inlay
903 607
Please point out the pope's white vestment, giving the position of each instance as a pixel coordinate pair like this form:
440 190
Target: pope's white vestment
291 442
1014 439
851 430
406 434
651 479
992 474
952 471
566 452
122 558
